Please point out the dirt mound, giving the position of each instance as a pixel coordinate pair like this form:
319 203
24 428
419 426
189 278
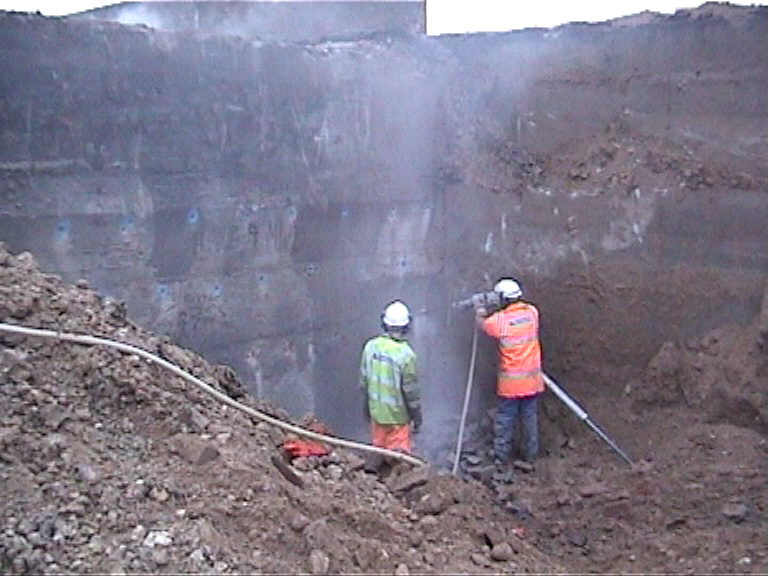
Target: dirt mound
722 375
113 464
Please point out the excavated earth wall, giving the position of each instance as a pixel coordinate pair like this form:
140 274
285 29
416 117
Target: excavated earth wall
260 203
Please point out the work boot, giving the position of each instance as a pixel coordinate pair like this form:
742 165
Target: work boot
503 475
499 459
524 465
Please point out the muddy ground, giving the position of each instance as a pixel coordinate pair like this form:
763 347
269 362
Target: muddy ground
114 464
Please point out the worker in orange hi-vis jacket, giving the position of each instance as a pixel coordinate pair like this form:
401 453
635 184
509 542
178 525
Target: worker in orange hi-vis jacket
520 379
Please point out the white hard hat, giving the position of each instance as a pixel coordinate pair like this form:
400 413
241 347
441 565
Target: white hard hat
508 288
396 315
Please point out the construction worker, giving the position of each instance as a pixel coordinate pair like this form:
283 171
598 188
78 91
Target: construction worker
389 379
520 380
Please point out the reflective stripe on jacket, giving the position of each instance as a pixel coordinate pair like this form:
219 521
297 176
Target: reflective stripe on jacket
388 374
516 327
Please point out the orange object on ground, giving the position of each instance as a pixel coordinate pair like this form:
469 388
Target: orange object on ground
303 448
392 437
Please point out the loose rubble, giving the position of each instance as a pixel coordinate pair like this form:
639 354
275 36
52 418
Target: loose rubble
113 464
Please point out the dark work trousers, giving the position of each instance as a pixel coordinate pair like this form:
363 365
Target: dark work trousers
507 410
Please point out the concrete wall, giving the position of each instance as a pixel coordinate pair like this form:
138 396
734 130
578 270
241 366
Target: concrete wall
261 204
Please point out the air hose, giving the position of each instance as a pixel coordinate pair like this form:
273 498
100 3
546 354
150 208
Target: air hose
467 395
221 397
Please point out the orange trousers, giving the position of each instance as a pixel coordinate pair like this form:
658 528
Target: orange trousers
391 436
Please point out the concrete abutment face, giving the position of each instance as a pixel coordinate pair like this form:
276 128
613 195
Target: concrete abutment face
261 203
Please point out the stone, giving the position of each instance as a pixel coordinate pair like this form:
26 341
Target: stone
593 489
158 494
87 473
198 556
194 419
36 540
319 562
364 557
402 570
502 552
415 538
298 522
373 462
480 559
160 557
493 536
735 511
577 537
334 472
9 358
428 522
158 538
433 504
410 480
194 450
355 462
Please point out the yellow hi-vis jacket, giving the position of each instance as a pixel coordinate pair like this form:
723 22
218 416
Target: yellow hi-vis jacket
389 377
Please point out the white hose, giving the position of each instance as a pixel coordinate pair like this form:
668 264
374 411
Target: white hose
468 393
129 349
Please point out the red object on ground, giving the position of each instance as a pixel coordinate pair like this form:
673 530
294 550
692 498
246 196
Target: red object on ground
303 448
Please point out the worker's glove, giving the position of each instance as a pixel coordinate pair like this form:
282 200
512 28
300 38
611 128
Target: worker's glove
478 300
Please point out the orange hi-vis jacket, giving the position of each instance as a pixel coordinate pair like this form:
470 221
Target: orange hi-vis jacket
516 327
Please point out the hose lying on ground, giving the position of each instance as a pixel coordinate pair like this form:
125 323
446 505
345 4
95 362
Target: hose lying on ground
129 349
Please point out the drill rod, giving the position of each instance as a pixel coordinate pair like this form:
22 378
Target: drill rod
582 415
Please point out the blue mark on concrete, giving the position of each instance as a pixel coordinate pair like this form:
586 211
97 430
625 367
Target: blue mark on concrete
216 290
193 216
62 230
162 291
128 224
